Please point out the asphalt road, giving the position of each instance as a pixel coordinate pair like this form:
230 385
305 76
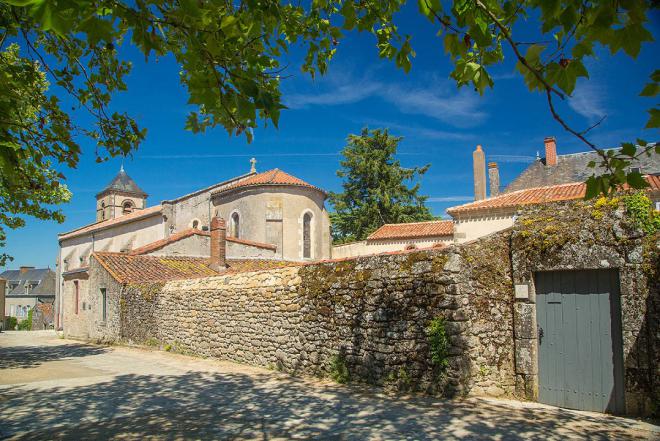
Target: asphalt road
52 388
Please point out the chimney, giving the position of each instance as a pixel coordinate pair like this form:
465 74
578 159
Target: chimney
479 164
25 269
218 244
494 179
550 151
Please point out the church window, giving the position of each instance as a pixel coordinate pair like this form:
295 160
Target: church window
102 210
195 224
307 236
127 207
234 230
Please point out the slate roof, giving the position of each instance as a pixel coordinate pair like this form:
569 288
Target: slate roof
275 177
539 195
413 230
45 277
123 183
137 214
572 168
154 246
126 268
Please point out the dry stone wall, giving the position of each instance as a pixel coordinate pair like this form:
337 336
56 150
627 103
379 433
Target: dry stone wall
371 312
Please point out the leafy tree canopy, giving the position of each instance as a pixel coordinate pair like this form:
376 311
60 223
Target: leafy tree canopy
375 188
230 62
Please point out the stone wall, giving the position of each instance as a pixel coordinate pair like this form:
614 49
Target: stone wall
593 235
373 311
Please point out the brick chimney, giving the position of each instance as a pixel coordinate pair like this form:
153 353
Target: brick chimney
218 244
550 151
25 269
479 166
494 179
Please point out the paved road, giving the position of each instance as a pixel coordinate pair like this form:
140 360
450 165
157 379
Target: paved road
57 389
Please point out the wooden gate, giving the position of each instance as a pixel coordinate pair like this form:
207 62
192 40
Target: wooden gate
579 340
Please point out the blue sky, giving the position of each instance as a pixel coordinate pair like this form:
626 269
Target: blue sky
441 125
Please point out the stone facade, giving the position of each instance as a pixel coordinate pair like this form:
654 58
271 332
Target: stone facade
594 235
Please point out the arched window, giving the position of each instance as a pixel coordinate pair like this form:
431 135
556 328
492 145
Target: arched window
195 224
235 228
102 210
307 236
127 207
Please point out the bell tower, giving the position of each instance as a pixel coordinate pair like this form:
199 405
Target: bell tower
120 197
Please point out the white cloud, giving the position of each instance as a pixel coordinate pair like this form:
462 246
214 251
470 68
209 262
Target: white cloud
588 100
438 98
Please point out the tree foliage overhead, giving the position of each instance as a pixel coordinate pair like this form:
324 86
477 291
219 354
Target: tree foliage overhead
231 63
375 188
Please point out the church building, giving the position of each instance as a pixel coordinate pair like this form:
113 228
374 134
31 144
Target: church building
269 216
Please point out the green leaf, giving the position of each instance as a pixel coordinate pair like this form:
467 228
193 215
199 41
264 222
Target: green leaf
628 149
636 180
654 120
651 89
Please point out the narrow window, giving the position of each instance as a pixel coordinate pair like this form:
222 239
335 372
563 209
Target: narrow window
235 225
102 210
195 224
104 300
307 236
77 295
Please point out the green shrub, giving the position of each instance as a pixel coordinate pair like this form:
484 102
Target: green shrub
26 325
640 209
438 343
10 323
338 369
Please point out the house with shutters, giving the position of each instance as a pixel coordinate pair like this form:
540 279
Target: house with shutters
26 287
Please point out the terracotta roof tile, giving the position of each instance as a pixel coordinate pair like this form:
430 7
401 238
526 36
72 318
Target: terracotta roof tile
137 214
538 195
153 246
140 269
126 268
270 177
413 230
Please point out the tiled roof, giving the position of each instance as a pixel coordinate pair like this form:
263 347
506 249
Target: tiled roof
153 246
413 230
140 269
44 277
539 195
137 214
571 168
271 177
144 269
123 183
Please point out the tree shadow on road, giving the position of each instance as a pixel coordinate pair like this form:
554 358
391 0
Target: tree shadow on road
205 405
30 356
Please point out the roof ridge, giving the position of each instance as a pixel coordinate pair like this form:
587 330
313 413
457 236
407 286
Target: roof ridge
421 222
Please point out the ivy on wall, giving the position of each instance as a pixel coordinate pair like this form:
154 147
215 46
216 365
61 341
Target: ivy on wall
641 211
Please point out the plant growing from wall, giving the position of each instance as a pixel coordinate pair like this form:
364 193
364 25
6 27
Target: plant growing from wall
338 369
438 343
640 210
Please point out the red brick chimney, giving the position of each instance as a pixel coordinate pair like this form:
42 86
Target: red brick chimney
494 178
550 151
218 244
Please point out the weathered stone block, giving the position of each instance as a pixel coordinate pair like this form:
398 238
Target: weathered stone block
524 320
525 355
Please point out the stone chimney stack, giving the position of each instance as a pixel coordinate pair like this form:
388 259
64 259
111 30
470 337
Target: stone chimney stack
479 165
218 244
494 179
550 151
25 269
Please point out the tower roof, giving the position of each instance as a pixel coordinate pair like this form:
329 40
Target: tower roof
124 184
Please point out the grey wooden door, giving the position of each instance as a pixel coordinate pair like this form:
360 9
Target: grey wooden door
580 343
